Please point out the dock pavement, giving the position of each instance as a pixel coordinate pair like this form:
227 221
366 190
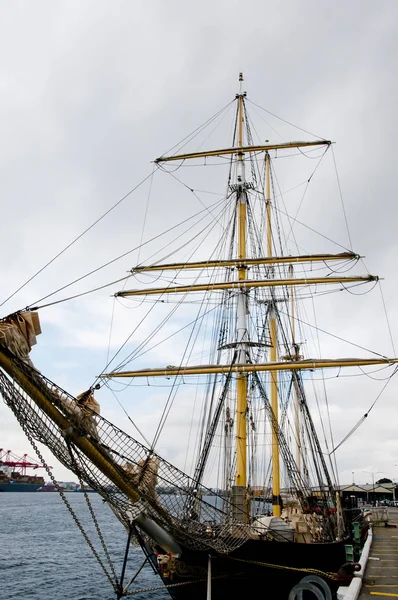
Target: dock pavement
380 579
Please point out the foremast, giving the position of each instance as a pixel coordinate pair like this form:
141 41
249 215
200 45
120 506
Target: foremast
239 491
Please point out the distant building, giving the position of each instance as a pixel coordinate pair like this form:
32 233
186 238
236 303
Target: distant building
368 492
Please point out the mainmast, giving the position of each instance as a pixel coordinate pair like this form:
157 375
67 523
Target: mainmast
295 356
239 490
276 484
239 288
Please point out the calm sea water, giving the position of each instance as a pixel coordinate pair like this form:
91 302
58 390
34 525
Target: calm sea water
44 555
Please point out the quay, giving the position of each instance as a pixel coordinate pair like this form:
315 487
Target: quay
379 578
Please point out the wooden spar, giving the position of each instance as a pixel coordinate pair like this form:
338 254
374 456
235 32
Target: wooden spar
242 150
103 463
245 284
236 262
290 365
93 452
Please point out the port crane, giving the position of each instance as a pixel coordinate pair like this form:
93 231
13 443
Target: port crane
19 464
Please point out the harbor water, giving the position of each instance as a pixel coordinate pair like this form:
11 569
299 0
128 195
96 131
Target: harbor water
44 555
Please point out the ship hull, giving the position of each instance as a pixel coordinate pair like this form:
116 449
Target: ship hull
19 487
241 574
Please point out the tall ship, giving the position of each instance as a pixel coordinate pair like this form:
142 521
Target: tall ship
14 476
222 330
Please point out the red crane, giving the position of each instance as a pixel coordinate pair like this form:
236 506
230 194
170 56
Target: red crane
18 464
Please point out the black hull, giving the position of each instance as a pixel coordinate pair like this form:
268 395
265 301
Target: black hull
235 577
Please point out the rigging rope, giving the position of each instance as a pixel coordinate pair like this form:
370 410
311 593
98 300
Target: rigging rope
313 230
341 198
77 238
196 131
287 122
365 416
114 584
191 190
142 344
30 306
292 222
335 336
387 319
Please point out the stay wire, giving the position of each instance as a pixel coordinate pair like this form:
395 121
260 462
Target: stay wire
91 291
172 252
333 335
292 223
134 355
174 390
191 190
387 319
266 122
287 122
145 215
128 416
115 260
313 230
333 460
110 329
140 351
216 126
365 416
191 135
341 198
175 386
77 238
129 337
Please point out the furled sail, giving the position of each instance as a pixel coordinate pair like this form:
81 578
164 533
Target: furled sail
118 467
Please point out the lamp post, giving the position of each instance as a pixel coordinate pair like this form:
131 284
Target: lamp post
373 482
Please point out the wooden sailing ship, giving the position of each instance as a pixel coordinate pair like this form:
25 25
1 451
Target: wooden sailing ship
201 530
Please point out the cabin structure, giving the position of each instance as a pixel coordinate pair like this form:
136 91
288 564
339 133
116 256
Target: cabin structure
369 493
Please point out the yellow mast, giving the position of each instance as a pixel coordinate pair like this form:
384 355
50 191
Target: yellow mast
276 483
241 384
295 356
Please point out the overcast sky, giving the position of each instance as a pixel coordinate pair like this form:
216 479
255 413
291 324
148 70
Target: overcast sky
92 91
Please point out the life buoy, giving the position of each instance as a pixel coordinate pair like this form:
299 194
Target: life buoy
311 583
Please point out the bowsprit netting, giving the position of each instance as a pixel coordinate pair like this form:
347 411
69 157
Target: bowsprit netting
182 512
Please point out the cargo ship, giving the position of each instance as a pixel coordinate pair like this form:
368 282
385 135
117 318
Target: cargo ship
13 475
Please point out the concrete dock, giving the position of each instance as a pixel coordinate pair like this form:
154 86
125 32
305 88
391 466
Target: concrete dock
380 579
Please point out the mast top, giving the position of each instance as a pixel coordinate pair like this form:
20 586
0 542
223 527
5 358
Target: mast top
241 92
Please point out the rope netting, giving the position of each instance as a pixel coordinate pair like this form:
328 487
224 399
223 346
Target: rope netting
167 495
